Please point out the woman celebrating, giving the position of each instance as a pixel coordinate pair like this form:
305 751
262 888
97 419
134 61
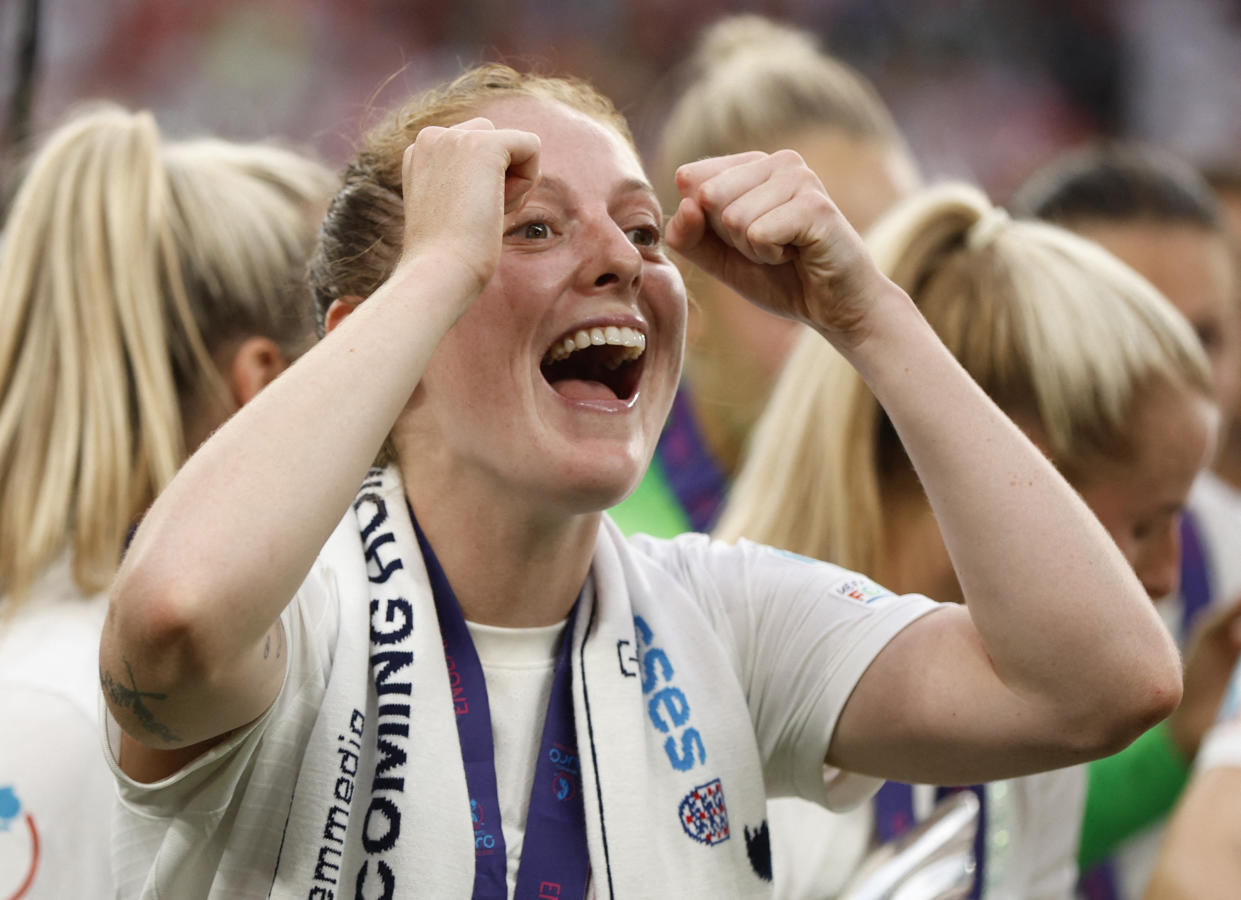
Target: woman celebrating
472 681
1095 366
147 287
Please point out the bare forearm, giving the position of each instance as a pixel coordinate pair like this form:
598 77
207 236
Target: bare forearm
224 548
1060 612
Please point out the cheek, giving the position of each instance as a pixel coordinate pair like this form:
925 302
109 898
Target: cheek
663 301
670 305
1226 375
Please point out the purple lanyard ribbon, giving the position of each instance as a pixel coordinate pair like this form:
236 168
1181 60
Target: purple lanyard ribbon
1195 576
555 859
894 817
692 473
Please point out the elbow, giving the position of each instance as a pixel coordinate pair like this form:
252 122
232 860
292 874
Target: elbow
1142 715
151 633
1119 715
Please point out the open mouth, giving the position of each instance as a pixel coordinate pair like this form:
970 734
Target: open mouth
602 363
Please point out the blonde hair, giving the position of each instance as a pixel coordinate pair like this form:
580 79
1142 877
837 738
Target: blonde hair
750 84
126 263
1049 325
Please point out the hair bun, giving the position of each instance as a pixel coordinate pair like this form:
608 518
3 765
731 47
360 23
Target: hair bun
987 228
736 36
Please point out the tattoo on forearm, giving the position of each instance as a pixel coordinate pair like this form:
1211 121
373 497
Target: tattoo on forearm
130 698
267 649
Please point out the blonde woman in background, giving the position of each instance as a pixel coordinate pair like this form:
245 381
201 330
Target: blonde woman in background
147 289
753 84
1100 372
1157 214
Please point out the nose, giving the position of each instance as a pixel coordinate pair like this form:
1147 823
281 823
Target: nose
611 260
1159 567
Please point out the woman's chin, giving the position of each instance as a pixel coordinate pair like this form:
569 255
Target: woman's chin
599 484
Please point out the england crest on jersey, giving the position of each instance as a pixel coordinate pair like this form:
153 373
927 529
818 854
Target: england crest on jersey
703 814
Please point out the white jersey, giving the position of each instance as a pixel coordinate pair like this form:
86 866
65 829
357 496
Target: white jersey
1033 825
799 634
55 788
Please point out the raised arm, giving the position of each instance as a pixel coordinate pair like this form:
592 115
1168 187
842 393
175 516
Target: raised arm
1058 655
187 647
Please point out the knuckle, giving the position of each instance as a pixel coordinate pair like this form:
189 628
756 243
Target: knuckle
710 195
788 157
821 204
732 219
816 204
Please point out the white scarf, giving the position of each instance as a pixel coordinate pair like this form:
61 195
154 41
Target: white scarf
671 776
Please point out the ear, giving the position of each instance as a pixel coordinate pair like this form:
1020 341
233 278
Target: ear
336 313
256 363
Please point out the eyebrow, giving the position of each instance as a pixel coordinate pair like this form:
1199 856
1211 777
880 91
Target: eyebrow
635 185
628 186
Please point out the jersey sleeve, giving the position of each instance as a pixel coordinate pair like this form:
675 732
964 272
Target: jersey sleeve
169 835
802 633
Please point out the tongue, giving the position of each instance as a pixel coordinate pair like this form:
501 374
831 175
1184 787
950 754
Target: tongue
578 389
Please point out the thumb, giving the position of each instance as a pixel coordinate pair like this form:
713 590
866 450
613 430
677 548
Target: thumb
522 172
686 228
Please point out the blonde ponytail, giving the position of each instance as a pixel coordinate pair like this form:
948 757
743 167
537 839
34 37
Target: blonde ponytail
101 299
1049 325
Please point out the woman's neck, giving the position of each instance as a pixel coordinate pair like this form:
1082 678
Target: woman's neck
506 566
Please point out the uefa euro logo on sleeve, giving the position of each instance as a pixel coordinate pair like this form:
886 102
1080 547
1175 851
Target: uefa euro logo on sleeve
703 815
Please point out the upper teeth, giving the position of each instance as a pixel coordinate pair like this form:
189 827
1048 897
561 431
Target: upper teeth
612 335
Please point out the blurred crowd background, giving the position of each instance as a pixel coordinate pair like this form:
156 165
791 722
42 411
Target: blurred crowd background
985 89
